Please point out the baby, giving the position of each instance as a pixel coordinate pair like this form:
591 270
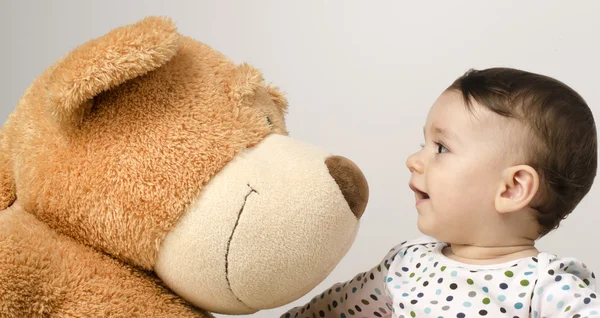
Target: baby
507 155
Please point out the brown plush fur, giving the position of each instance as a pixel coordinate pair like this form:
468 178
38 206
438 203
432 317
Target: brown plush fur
108 147
8 190
47 274
135 156
101 64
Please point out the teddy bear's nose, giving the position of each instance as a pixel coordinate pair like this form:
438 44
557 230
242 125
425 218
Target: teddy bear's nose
351 181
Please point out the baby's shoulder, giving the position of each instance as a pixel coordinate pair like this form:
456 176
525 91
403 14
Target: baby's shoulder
555 268
566 285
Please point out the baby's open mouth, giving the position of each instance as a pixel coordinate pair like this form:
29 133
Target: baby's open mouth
420 195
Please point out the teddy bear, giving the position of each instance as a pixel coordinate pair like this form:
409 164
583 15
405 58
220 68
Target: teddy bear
156 178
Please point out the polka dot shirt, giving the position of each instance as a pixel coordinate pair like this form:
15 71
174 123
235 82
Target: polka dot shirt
416 280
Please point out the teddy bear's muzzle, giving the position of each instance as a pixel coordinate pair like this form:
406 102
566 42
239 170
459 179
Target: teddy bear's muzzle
266 229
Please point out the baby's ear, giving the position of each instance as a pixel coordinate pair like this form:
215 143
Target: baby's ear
103 63
518 188
8 190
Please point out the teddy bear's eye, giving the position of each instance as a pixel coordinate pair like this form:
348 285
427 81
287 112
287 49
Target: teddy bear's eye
269 121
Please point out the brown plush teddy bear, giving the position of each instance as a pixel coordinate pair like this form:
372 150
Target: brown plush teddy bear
156 179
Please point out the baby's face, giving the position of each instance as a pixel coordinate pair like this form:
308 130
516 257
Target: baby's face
457 173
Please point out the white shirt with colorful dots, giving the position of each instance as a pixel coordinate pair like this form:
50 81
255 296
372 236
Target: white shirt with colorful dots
416 280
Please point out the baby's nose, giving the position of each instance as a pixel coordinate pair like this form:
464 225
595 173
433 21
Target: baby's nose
351 181
414 164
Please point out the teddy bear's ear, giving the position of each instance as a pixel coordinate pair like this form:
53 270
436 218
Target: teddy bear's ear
103 63
8 190
278 98
246 80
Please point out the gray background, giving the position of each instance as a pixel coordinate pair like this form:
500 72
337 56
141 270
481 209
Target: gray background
360 77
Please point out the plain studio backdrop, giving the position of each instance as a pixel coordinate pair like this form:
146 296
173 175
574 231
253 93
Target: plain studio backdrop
360 77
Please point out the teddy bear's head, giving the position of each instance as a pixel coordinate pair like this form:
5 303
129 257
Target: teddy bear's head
159 151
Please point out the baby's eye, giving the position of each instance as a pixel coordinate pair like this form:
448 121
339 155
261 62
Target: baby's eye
269 121
441 148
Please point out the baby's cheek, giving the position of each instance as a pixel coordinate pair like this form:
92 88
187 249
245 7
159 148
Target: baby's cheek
444 191
453 202
467 183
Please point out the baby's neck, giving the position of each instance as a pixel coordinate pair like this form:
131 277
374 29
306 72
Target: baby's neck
482 255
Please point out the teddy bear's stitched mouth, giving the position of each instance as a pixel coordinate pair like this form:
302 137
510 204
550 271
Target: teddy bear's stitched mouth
231 237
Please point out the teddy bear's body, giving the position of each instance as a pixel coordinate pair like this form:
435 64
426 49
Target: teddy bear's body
152 169
45 274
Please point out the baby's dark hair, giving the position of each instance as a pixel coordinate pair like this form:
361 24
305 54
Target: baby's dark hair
563 149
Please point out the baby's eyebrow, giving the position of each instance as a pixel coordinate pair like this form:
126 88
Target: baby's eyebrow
443 132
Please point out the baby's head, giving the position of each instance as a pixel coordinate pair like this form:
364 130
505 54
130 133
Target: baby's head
507 155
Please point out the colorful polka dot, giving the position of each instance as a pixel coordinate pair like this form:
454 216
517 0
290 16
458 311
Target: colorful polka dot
415 282
518 305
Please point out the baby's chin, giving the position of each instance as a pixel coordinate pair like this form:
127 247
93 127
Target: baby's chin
436 230
426 227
